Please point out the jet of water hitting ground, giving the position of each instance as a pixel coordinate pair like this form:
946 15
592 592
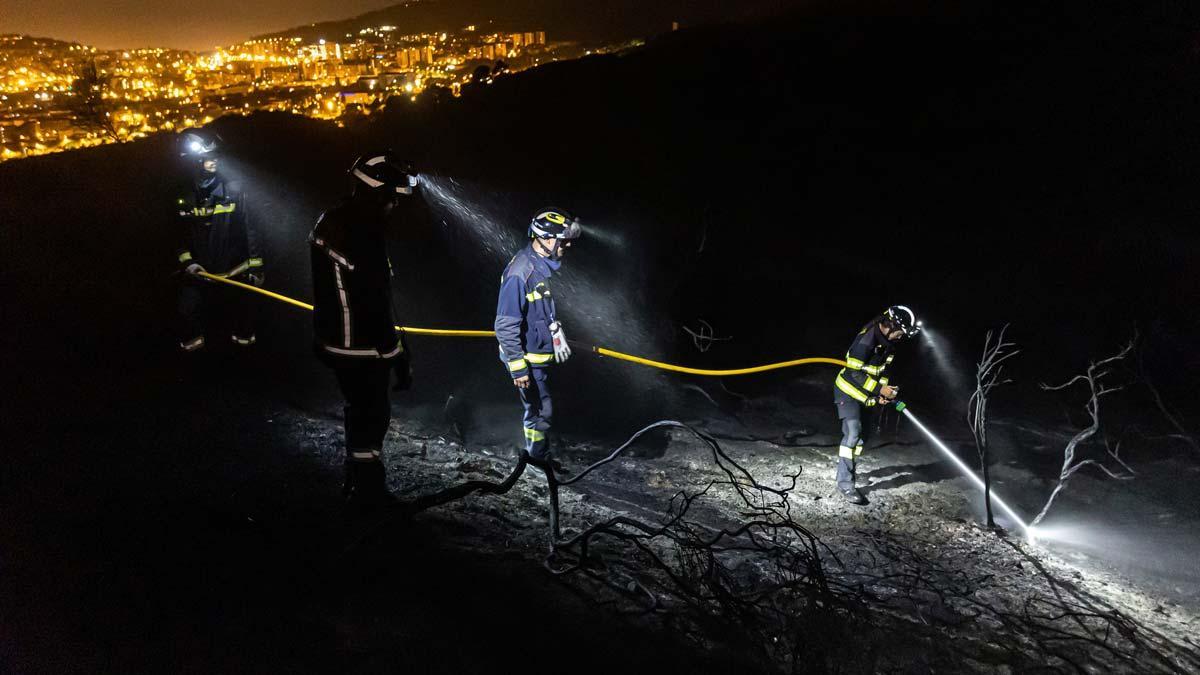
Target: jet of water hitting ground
966 471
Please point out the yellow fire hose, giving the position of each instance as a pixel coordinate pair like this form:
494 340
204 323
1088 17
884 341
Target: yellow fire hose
602 351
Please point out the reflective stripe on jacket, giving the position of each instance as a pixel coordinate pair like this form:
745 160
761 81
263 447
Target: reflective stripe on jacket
352 287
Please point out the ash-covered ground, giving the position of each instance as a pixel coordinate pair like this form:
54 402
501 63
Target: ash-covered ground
922 584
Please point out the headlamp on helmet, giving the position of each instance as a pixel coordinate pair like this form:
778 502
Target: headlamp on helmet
199 144
553 223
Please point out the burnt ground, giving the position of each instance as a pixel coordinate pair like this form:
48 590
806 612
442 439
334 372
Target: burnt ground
187 518
175 515
165 513
1116 548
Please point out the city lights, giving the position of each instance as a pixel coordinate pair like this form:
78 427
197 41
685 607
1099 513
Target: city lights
143 91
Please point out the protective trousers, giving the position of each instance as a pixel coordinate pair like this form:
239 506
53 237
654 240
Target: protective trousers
850 412
539 412
206 307
368 409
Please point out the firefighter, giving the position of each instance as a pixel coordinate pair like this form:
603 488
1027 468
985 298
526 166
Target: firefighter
353 319
863 384
530 335
218 237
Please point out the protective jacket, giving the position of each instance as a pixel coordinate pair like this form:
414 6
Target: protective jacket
868 357
215 228
352 287
524 312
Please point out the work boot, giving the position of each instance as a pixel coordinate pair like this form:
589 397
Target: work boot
853 496
366 484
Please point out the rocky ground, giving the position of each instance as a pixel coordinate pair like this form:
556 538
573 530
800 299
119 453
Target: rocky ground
161 516
921 582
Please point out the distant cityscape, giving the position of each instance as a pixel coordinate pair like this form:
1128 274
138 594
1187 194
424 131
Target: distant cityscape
57 96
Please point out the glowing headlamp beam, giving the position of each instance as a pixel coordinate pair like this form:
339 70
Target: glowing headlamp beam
966 471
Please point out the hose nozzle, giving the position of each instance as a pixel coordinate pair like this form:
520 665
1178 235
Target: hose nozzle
900 406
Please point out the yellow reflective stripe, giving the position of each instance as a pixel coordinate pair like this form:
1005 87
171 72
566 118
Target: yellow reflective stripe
872 370
245 265
858 449
185 256
534 434
853 363
539 358
883 381
517 364
845 452
850 390
541 290
237 270
869 385
212 210
889 358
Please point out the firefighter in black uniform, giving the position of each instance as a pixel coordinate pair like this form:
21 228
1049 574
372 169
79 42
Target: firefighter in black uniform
863 384
353 318
216 236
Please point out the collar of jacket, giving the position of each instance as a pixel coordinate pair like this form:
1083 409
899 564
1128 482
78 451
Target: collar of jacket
207 186
545 265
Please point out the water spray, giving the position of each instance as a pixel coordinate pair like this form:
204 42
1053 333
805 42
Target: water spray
497 241
966 470
940 352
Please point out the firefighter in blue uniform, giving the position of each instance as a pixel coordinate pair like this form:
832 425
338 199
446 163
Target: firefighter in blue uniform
216 236
530 335
353 319
863 384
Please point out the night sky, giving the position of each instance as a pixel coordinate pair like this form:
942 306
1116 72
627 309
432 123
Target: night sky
124 24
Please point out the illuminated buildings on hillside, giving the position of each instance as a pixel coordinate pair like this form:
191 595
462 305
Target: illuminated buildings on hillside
147 90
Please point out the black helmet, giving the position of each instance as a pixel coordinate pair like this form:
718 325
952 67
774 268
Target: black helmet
385 171
199 144
552 223
904 319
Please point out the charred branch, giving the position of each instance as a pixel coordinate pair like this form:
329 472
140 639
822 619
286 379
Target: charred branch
1095 378
762 582
987 378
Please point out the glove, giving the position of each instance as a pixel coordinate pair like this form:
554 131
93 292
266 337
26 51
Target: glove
257 279
562 350
195 268
402 367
